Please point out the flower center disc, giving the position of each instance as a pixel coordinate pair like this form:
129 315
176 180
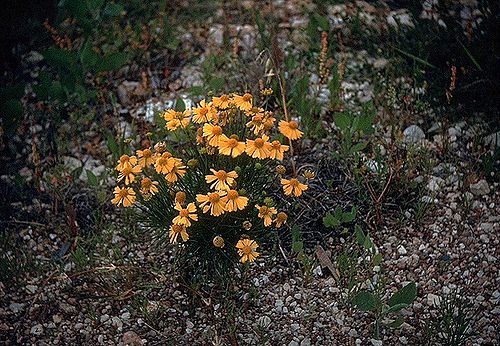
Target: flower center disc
259 143
221 175
213 197
247 250
217 130
184 213
232 194
293 125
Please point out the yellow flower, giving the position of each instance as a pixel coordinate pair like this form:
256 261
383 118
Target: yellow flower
266 213
125 161
247 250
128 173
230 146
204 112
293 185
255 111
145 157
213 202
222 102
221 180
234 201
185 214
243 102
280 219
149 186
258 148
176 119
165 163
277 149
212 133
177 171
256 124
175 231
290 129
124 196
269 122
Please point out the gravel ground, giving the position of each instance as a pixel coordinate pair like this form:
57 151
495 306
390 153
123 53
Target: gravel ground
129 295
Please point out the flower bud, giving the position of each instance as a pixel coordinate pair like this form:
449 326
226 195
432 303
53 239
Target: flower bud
247 225
193 163
268 201
280 170
218 241
180 197
237 169
258 165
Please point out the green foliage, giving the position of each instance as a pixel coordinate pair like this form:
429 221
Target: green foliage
353 128
339 217
373 302
454 323
11 108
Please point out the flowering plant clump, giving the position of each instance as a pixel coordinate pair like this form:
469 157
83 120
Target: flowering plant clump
208 186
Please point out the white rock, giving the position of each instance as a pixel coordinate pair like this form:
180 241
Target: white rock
16 307
480 188
116 322
31 288
104 318
413 135
37 330
402 250
264 321
433 299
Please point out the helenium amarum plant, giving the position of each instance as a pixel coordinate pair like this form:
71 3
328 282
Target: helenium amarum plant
207 186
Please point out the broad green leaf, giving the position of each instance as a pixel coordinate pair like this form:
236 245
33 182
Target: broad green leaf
350 216
75 8
91 178
88 56
364 301
112 145
323 22
180 106
216 84
113 10
377 259
60 58
12 114
406 295
396 307
297 243
343 121
360 236
358 147
365 123
367 244
112 62
398 322
330 221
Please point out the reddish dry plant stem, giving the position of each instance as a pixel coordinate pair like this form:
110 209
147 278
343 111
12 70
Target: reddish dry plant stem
453 81
378 200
